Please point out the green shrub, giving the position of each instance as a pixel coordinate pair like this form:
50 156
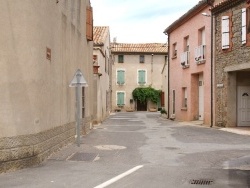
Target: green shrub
143 94
163 111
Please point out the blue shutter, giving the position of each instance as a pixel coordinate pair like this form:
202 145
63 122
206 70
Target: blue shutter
141 77
120 98
120 77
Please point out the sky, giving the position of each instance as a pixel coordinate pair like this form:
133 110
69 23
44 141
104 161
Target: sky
139 21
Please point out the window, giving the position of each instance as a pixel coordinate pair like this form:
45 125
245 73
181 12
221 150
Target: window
225 32
120 77
244 26
248 19
186 44
89 24
83 102
120 58
201 48
174 52
120 98
185 54
141 77
184 97
142 58
95 59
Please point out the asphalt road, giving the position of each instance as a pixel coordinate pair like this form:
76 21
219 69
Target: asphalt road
143 150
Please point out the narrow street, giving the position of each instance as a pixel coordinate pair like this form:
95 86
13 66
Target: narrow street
143 150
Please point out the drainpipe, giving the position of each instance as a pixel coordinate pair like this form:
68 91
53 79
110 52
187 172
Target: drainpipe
152 59
212 60
168 75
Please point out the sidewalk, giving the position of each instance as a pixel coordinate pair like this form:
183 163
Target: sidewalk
236 130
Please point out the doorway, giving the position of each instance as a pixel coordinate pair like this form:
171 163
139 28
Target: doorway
243 105
141 106
201 97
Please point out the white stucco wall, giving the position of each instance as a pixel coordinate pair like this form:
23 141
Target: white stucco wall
34 91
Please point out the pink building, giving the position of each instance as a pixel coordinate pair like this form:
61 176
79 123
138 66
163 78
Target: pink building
189 40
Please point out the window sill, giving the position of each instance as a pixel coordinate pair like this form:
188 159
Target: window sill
184 109
185 66
174 57
201 62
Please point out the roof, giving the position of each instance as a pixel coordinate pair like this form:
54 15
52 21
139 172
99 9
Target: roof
188 15
100 34
224 4
139 47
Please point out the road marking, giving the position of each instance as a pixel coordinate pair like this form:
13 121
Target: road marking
113 180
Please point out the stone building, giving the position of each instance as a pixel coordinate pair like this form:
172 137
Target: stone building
42 44
189 41
102 73
232 63
136 65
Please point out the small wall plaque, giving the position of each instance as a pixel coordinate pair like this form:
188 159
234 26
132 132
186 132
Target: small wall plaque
220 85
48 53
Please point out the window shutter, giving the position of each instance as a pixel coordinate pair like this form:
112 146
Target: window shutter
89 24
120 98
141 74
225 32
244 26
120 77
196 52
120 59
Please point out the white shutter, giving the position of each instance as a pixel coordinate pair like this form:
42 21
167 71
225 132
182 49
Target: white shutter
225 32
196 52
243 26
203 37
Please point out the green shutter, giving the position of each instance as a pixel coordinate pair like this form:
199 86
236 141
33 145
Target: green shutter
120 58
120 98
141 79
120 77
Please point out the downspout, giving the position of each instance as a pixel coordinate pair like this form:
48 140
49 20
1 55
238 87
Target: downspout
168 76
212 60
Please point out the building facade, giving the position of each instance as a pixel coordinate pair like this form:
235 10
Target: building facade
102 73
42 44
189 40
232 63
136 65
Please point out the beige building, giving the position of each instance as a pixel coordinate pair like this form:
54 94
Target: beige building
42 44
102 73
136 65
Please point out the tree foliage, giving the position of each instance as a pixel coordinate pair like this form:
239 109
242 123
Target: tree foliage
143 94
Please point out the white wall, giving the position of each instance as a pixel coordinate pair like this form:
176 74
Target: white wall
34 92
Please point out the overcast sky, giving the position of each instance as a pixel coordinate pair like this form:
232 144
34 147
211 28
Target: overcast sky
139 21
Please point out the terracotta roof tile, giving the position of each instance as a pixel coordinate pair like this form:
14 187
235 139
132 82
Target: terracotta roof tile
223 4
139 47
99 34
